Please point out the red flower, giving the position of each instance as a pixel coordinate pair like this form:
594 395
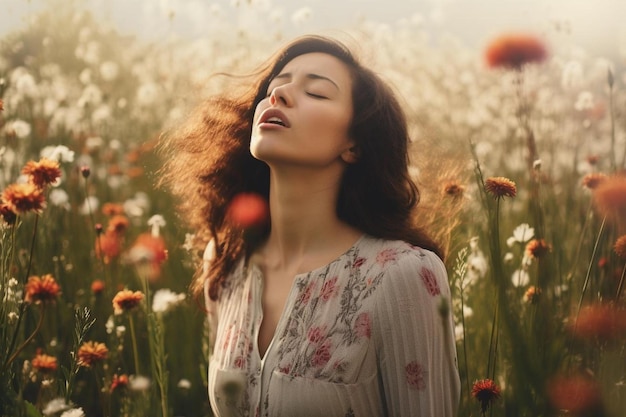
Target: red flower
7 214
97 286
485 391
386 255
120 381
604 322
537 248
108 246
247 210
514 50
578 394
329 289
316 334
414 374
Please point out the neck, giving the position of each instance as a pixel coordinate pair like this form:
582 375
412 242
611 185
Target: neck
303 216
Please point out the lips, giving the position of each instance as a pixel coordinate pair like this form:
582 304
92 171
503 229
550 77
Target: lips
275 117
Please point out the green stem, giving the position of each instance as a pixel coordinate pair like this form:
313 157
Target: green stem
134 342
588 275
28 339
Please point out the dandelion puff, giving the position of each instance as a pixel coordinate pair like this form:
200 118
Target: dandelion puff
164 299
55 406
74 412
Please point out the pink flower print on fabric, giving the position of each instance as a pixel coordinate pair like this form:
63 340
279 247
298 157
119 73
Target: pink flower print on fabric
240 362
358 262
305 294
363 325
322 354
316 334
430 281
329 289
386 255
414 373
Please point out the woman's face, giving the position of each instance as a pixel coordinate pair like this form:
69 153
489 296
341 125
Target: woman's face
305 118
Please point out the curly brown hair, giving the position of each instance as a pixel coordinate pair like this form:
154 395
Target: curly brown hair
208 162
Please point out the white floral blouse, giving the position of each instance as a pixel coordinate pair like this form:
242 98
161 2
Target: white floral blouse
362 336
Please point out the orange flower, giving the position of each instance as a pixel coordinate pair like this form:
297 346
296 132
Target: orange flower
532 294
118 224
120 381
610 198
42 289
44 363
620 246
108 246
247 211
42 173
537 248
514 50
97 286
91 353
603 322
500 187
578 394
7 214
22 198
592 180
454 189
148 254
112 209
486 392
126 300
1 105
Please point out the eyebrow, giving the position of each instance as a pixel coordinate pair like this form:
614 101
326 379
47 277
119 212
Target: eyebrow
310 76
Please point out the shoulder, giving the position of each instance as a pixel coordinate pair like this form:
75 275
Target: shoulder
400 264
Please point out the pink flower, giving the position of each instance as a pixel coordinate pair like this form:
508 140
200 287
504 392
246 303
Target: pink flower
386 255
305 295
430 281
322 354
358 262
316 334
329 289
363 325
414 373
240 362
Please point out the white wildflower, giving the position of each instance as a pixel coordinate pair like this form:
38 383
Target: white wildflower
147 94
109 325
584 101
19 128
74 412
90 205
120 331
520 278
156 222
184 384
523 233
55 406
139 383
109 70
164 299
59 198
60 153
189 238
301 15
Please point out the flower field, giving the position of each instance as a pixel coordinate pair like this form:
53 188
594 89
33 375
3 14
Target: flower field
519 151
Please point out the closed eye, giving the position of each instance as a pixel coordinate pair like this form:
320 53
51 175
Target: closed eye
316 95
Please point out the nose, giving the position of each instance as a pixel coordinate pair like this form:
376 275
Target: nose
280 95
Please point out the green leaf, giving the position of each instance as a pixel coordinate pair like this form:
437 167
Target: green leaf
31 411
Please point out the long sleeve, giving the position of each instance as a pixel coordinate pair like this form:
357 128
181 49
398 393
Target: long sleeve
415 342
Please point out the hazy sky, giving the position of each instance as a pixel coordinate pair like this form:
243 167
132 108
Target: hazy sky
594 24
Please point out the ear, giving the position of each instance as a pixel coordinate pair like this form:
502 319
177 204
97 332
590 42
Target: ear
350 155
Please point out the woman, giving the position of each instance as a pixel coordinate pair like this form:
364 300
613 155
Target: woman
335 308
